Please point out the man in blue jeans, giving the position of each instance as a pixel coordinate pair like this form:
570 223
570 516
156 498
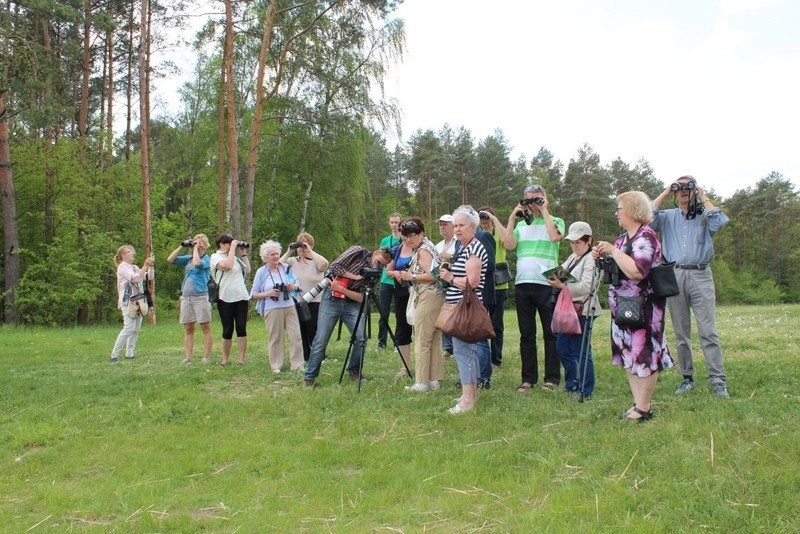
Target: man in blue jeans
342 300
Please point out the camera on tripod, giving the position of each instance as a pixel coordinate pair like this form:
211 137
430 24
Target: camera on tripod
611 272
283 288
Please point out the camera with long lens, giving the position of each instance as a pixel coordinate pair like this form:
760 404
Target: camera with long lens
243 244
283 288
611 273
188 243
319 287
296 245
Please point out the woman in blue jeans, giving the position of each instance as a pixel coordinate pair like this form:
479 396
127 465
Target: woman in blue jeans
579 368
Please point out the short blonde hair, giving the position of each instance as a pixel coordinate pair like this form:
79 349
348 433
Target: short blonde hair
305 237
203 239
636 205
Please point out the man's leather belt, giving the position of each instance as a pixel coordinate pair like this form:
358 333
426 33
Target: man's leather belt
692 266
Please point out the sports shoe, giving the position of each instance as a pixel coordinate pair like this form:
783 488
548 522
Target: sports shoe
685 386
419 387
129 357
309 383
401 374
276 371
113 359
434 385
720 390
447 354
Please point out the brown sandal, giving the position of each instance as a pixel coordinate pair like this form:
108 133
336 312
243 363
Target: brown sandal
524 387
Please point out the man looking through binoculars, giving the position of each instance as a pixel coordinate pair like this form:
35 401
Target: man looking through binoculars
686 236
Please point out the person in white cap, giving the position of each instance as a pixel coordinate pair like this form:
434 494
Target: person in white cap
578 366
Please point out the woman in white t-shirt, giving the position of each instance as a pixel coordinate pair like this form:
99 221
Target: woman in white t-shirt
229 268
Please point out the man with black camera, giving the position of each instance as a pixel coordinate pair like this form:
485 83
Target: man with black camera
195 306
687 232
535 238
350 273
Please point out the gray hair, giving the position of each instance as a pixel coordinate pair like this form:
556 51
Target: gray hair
533 189
470 213
265 247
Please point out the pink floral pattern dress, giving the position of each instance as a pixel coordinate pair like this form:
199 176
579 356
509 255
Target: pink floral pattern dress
642 351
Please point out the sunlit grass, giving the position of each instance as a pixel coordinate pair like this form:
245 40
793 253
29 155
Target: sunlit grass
151 445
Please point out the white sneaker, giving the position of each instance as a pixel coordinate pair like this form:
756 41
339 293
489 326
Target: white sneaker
418 387
434 385
401 374
276 371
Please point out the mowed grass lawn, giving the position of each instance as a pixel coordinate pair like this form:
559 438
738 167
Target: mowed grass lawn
150 445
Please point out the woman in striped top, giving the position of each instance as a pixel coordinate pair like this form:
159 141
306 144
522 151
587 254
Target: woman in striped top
468 266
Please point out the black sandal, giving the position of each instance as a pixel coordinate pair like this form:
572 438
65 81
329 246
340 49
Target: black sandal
643 415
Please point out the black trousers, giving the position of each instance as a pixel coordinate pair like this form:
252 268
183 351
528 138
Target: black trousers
530 299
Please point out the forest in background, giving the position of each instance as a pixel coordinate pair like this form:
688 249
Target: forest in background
281 128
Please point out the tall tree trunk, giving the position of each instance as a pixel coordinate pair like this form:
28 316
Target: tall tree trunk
110 97
252 154
233 152
10 234
129 84
144 131
222 180
83 116
49 174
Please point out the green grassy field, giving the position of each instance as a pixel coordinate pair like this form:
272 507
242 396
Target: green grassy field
150 445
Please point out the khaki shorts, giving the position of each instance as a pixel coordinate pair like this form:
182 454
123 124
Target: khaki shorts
195 310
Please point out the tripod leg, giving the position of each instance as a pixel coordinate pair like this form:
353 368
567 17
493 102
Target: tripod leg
353 335
385 323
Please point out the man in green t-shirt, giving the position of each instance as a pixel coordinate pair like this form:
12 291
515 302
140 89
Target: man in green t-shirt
535 238
387 284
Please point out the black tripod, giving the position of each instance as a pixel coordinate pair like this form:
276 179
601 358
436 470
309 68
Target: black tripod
363 314
586 338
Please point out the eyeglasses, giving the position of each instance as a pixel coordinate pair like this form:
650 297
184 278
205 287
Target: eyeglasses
410 227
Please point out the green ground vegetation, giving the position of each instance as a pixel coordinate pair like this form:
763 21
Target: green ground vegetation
151 445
